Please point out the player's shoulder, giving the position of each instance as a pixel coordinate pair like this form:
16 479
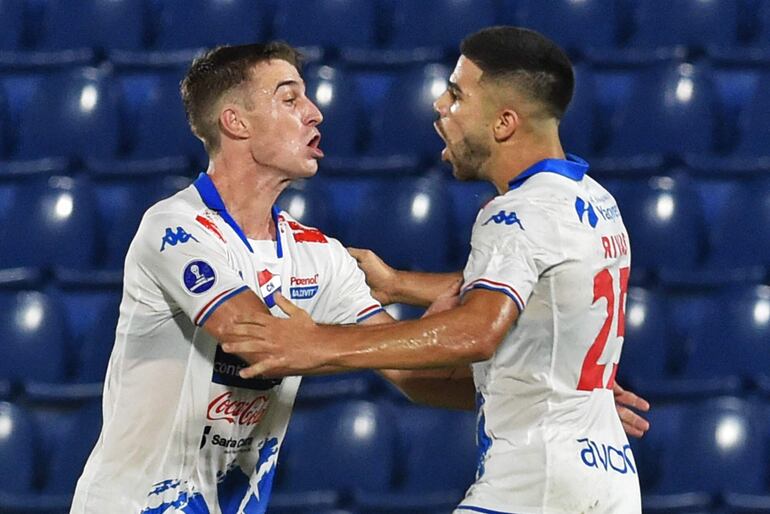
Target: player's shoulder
304 235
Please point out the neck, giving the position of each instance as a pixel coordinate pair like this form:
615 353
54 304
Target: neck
249 193
520 153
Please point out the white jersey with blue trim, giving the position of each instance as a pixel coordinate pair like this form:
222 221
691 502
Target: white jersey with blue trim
182 432
550 439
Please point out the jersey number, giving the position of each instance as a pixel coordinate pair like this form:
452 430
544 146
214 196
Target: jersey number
592 373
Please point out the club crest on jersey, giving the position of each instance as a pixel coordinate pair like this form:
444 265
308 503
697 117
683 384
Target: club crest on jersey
582 207
268 285
173 238
504 217
198 277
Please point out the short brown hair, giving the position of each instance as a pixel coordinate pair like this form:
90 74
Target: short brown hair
218 72
526 59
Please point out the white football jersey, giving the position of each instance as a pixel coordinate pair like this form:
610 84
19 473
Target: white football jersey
182 432
550 439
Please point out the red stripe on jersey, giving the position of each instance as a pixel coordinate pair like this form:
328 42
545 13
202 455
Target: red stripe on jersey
498 284
304 234
367 310
211 226
206 307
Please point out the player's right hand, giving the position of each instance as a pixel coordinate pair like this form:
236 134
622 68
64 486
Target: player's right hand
380 277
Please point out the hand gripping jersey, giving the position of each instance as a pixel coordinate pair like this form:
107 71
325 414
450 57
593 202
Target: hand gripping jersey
182 432
550 440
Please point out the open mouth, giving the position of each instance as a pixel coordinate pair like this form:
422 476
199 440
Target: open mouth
314 146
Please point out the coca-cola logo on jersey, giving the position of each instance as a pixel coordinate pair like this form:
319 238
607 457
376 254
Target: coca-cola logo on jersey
242 412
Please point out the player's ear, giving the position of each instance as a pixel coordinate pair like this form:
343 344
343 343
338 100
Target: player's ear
506 123
233 123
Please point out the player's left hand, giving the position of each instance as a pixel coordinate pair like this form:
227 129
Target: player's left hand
275 347
625 401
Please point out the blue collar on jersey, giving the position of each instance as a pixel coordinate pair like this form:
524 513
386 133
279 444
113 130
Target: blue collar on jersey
573 167
210 196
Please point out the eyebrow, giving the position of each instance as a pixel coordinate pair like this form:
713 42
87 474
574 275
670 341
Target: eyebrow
453 87
290 82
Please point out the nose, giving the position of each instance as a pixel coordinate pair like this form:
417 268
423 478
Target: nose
440 105
313 115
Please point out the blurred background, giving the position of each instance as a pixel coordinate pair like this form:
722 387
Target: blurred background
671 108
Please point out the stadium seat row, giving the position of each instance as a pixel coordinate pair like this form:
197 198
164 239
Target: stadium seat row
644 116
696 456
327 459
680 229
135 25
681 343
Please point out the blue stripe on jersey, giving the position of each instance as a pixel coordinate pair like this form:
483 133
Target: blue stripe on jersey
479 509
573 167
499 290
367 316
483 441
219 302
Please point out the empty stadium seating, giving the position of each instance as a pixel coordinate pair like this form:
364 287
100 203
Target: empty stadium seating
92 132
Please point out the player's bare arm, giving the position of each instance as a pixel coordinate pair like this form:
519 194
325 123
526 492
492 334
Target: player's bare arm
389 285
245 305
457 337
450 388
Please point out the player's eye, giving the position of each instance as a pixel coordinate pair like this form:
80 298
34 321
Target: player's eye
290 101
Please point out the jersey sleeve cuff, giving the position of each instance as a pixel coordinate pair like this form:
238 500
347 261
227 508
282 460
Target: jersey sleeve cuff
368 312
490 285
215 302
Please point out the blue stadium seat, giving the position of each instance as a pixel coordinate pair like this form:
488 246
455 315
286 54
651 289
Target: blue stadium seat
403 122
11 24
207 23
34 335
647 340
733 235
5 125
717 441
405 223
449 22
161 128
763 38
108 25
54 224
329 23
73 114
692 23
308 203
334 447
742 317
17 450
94 354
664 222
755 122
121 202
579 129
69 433
672 113
425 434
336 96
575 26
467 200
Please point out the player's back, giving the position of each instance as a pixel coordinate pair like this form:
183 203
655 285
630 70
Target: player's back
550 437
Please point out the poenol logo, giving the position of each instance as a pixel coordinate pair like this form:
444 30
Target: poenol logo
308 290
242 412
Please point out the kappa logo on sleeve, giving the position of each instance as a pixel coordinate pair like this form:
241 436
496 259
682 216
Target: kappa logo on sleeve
198 277
504 217
173 238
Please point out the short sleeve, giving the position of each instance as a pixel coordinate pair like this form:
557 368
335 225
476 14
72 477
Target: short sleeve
507 250
349 298
189 267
